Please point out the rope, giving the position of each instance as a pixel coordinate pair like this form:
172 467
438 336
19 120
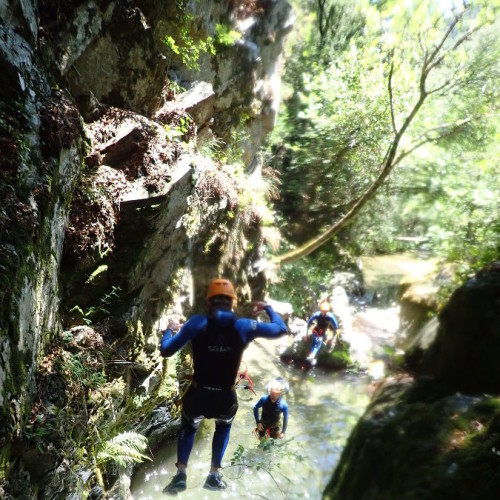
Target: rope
244 376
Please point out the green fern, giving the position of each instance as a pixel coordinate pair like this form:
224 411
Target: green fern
124 449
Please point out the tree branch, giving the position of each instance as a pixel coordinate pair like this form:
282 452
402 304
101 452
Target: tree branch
445 37
457 44
391 96
431 60
427 139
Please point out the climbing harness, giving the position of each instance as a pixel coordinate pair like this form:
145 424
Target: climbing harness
267 435
242 375
273 429
319 333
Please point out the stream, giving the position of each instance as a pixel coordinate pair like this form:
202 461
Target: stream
324 407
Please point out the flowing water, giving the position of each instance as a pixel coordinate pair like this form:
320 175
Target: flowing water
324 407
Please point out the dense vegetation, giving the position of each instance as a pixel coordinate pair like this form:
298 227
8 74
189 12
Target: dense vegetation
392 111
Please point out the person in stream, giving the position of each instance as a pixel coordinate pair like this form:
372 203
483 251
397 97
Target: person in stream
218 340
321 326
272 407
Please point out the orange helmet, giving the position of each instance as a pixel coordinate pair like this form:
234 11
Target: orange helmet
221 286
324 306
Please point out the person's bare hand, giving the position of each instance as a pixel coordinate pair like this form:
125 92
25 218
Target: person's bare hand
281 435
258 307
174 326
260 427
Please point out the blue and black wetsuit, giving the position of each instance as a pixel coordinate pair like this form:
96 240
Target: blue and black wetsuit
322 324
218 341
271 412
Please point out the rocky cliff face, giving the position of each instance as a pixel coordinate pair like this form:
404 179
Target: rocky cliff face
122 194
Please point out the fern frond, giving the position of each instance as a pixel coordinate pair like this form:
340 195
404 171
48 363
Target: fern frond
124 449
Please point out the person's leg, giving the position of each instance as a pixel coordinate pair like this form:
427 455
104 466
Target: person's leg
219 443
185 441
228 406
193 412
214 481
184 446
317 342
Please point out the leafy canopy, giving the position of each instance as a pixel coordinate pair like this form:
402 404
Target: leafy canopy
417 80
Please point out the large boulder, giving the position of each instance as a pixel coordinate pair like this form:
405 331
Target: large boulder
417 302
416 443
464 356
436 436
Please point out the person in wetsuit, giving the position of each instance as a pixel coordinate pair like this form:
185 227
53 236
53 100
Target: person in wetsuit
272 407
218 340
318 325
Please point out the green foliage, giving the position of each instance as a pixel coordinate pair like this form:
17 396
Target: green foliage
226 36
178 132
227 152
447 200
139 400
100 269
67 337
303 282
183 44
79 371
238 454
189 50
176 87
88 314
340 116
334 129
124 449
38 429
267 457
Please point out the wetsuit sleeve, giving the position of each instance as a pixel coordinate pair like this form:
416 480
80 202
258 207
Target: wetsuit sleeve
258 405
311 319
284 409
249 329
333 321
171 344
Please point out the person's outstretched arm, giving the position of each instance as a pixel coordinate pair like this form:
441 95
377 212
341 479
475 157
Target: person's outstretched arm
250 329
171 344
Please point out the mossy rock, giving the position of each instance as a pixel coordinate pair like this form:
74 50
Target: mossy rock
414 442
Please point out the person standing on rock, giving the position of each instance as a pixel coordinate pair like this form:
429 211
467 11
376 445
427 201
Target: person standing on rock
218 340
318 326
